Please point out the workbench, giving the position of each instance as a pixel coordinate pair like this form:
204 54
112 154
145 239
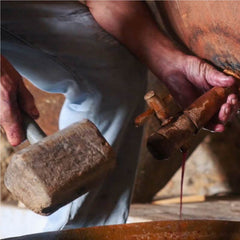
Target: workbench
220 208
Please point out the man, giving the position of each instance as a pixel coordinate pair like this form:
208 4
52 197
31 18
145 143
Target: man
62 47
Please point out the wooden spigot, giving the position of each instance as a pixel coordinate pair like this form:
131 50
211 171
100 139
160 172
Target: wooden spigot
177 133
163 108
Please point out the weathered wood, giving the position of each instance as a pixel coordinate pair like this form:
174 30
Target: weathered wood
210 29
177 230
179 132
46 103
211 209
6 150
171 137
153 175
185 199
213 166
59 168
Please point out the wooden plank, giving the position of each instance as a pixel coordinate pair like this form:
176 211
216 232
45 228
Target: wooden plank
228 209
185 199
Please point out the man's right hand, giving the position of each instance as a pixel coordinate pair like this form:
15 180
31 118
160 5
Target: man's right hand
14 98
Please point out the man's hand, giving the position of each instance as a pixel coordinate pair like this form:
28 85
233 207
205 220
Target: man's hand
188 77
14 98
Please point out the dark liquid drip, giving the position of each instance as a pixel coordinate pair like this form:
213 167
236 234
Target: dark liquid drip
184 157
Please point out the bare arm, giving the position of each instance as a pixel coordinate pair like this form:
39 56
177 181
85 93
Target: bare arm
133 25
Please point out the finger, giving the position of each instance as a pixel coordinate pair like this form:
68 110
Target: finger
14 133
229 109
219 128
215 77
11 122
27 101
214 125
225 112
233 100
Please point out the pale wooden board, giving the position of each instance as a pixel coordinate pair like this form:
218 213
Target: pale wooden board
214 209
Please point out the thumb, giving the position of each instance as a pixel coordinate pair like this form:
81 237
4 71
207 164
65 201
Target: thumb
217 78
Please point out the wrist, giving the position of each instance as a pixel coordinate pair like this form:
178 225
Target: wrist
164 57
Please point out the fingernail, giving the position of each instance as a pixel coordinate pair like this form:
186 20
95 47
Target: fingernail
227 78
219 129
227 110
15 138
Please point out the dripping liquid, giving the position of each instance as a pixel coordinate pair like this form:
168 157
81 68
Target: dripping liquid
184 157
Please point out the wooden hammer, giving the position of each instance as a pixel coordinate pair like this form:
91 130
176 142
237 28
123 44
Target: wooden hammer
55 170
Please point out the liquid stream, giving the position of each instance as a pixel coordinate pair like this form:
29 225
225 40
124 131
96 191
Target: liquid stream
184 158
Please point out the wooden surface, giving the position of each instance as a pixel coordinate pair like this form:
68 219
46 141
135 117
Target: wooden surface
212 209
212 166
210 29
26 220
162 230
49 106
59 168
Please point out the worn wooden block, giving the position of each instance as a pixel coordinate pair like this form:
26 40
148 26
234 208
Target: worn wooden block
160 230
59 168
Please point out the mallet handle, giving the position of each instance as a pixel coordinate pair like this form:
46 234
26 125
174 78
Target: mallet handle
33 132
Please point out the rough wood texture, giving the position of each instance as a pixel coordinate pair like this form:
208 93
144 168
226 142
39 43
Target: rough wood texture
5 152
212 168
47 103
153 175
206 106
221 208
210 29
61 167
171 137
179 132
165 230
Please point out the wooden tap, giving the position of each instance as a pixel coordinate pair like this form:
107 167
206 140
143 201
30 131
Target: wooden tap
164 108
175 134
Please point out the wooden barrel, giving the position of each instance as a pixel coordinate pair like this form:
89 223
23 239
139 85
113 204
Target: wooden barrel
210 29
178 230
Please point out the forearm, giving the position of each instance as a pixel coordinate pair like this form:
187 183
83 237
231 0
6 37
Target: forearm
133 25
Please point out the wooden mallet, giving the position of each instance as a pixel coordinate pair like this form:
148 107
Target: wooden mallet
55 170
